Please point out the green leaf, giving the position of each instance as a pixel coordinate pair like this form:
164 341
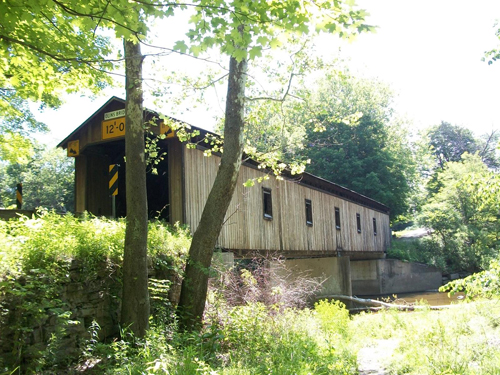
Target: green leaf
180 46
249 183
255 52
239 54
196 50
275 43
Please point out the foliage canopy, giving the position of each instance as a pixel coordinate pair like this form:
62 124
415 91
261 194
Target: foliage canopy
345 128
47 177
465 214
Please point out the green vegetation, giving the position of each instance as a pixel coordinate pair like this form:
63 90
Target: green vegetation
421 250
36 260
461 340
449 142
482 284
252 338
48 180
50 241
464 214
47 51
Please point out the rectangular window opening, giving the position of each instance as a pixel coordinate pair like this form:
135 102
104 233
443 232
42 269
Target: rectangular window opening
374 226
309 213
267 203
337 218
358 222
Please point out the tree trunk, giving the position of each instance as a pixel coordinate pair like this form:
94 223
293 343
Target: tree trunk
135 297
375 305
195 284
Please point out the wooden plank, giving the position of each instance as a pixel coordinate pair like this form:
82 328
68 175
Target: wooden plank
246 229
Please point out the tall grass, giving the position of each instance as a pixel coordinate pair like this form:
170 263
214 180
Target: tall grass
249 339
252 338
461 340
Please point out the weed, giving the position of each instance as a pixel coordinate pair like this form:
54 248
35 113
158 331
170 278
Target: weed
38 258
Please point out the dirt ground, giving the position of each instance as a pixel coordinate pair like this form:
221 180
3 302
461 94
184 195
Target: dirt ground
372 359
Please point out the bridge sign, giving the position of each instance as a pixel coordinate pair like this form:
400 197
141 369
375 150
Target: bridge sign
113 128
114 114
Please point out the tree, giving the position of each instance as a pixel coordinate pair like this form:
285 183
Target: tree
447 143
241 30
54 46
195 284
45 52
358 157
465 214
345 127
488 145
47 177
135 295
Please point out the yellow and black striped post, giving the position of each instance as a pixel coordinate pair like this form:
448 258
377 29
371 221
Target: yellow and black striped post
19 196
113 179
113 187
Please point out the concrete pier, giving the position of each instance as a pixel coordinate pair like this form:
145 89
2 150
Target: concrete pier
388 276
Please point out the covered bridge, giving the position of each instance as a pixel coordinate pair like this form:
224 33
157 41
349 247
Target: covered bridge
298 217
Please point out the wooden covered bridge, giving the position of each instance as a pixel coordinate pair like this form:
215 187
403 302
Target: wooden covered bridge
306 219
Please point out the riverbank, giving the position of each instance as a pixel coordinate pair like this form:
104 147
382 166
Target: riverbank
254 339
462 340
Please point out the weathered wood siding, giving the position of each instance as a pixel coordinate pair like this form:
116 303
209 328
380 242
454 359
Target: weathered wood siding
246 229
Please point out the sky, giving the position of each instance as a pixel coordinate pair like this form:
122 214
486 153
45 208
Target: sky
428 51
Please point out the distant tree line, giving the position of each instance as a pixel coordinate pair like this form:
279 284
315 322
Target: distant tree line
47 175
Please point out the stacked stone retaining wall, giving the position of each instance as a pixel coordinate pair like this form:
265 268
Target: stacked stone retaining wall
62 329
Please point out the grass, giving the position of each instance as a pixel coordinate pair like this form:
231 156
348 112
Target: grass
249 339
421 250
461 340
254 339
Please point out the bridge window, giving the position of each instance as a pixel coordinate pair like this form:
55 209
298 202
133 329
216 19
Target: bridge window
309 213
337 218
267 203
358 222
374 226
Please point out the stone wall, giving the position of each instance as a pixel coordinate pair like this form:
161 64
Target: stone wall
84 299
14 214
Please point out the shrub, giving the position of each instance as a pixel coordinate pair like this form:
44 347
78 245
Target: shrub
257 281
37 260
484 284
420 250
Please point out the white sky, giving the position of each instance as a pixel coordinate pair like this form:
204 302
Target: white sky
429 51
